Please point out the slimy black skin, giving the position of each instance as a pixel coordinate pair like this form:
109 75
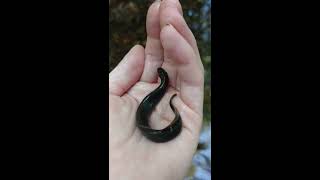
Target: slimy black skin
146 107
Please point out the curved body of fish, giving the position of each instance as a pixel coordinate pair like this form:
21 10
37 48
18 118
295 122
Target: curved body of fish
146 107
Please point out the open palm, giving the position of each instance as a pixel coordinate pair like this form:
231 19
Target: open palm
172 46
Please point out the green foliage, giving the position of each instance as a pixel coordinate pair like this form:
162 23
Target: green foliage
127 28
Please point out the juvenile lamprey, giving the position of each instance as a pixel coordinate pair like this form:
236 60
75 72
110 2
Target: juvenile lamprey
146 107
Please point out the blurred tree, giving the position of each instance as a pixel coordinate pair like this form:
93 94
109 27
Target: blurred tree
127 28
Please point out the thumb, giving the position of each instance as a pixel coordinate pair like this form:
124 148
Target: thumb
127 72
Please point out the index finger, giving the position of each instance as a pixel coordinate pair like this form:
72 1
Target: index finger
153 50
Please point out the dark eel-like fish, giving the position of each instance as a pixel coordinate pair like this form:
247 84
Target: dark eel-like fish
146 107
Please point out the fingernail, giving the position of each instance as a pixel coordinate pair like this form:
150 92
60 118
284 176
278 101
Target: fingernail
157 2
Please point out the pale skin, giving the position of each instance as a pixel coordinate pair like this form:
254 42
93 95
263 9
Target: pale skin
172 46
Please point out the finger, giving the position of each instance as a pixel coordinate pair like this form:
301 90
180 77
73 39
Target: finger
127 72
173 3
184 63
153 51
171 13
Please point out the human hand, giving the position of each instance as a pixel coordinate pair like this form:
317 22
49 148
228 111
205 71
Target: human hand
172 46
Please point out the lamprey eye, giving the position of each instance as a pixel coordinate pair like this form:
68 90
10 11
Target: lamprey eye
146 107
